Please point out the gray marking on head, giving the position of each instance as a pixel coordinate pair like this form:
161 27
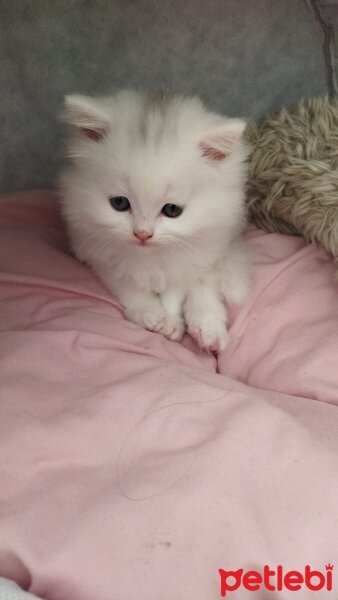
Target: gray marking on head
156 101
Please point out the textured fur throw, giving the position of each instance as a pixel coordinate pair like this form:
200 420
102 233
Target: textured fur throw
293 179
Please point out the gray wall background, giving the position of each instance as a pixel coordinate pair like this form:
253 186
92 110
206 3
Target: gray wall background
243 57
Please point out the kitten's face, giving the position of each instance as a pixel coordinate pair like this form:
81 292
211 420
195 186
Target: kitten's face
150 175
148 203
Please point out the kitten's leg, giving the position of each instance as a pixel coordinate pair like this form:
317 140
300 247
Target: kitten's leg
234 284
144 308
173 326
162 314
140 306
206 316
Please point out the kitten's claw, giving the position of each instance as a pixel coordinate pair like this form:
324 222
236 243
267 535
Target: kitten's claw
211 335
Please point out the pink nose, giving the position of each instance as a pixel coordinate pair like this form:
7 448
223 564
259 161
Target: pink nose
143 236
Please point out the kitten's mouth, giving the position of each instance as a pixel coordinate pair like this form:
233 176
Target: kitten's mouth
143 244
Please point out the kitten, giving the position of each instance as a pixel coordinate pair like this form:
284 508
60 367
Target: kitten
154 202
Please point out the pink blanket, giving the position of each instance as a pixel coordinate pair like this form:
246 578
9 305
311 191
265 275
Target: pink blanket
136 468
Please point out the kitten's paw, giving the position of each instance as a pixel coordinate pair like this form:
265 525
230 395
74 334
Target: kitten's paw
211 334
173 328
150 317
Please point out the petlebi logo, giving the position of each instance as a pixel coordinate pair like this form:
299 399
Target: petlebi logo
276 580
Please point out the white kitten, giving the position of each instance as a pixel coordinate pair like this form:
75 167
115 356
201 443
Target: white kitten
154 202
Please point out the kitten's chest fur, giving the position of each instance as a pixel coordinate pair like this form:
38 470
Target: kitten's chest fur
152 269
153 278
153 272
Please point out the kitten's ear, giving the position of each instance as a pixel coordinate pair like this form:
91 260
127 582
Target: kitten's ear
219 143
87 116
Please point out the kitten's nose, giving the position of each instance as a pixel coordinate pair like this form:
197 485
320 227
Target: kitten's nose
143 236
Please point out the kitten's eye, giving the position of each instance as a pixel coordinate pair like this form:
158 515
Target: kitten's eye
120 203
172 210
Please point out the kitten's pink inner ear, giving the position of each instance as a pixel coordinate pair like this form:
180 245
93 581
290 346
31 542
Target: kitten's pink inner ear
218 145
94 134
212 153
87 116
92 131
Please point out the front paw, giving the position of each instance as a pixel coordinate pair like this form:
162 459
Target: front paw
209 332
173 328
154 318
150 316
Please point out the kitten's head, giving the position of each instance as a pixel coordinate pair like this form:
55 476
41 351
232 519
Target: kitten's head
152 170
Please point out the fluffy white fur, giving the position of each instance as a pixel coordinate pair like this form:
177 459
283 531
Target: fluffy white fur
157 150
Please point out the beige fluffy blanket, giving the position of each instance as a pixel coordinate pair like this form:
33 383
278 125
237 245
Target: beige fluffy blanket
293 177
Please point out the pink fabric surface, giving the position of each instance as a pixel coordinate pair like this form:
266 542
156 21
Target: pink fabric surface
133 467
